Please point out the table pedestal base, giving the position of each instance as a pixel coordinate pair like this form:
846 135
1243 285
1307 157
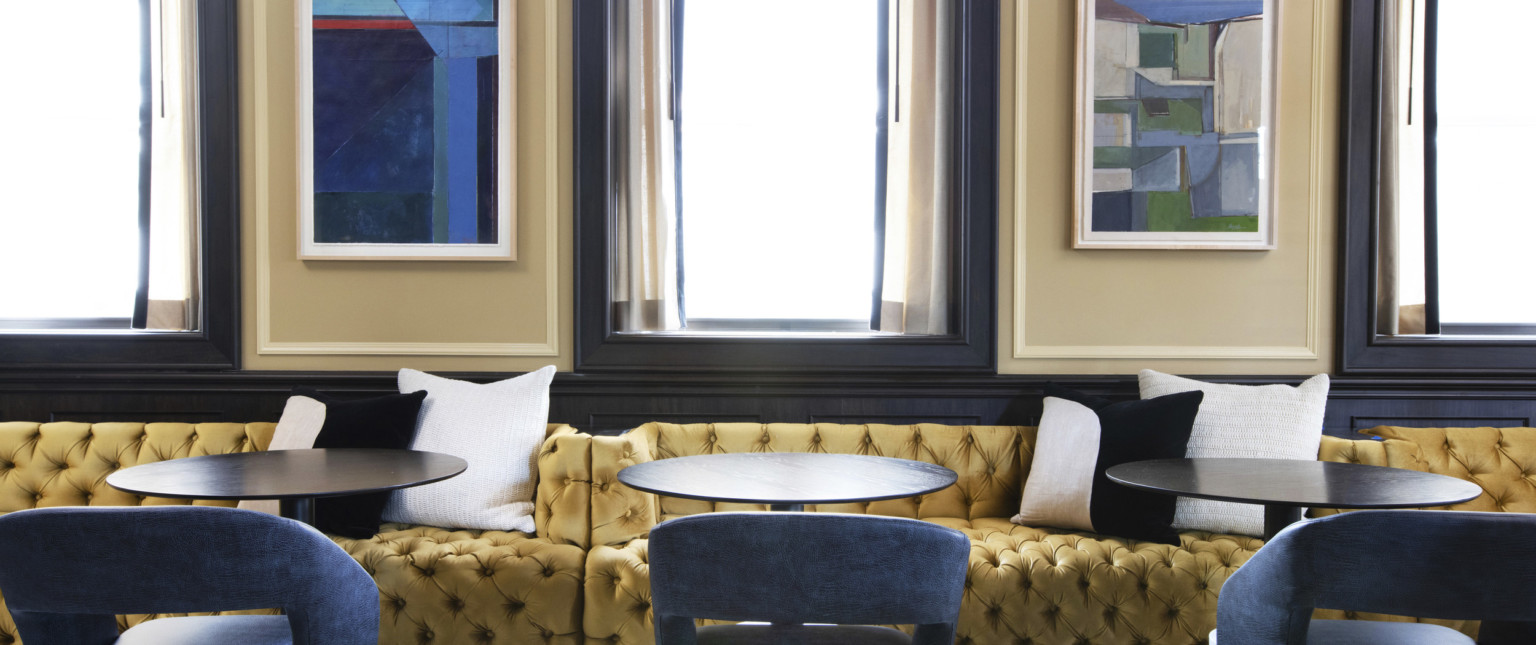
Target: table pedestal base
1279 516
298 508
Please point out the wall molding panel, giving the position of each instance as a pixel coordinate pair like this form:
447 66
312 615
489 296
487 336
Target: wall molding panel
550 211
1320 158
604 403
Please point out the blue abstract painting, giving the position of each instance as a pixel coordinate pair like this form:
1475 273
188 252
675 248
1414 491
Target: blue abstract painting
405 104
1176 118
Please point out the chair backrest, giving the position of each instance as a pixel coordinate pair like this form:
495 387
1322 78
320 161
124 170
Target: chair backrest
806 568
1431 564
73 569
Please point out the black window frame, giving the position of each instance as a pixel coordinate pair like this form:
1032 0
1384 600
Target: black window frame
1361 350
217 344
971 349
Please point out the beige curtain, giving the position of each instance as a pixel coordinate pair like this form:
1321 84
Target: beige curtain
173 256
915 291
645 293
1400 188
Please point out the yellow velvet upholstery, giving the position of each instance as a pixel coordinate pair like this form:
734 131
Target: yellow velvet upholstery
435 585
1026 584
583 576
1500 460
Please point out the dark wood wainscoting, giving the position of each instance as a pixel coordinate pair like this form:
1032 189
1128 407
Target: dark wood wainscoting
607 403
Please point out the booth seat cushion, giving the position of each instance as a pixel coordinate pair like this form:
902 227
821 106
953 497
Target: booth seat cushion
441 586
463 586
1025 585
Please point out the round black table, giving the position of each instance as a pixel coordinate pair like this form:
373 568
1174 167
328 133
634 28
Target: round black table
293 477
1285 486
787 481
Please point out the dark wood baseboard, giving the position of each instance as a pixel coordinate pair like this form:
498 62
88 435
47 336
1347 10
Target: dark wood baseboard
607 403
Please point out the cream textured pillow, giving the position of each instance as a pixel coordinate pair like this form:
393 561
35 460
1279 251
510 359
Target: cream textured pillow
496 427
1252 421
296 429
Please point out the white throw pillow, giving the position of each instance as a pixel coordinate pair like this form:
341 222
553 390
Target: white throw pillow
497 428
1251 421
296 429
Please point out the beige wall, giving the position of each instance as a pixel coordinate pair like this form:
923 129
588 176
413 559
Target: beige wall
1195 312
362 315
1060 310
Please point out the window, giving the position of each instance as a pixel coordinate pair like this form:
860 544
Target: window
101 115
81 330
1434 227
970 257
1481 223
759 87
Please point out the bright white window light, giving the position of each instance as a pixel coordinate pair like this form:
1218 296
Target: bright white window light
778 158
1486 221
70 175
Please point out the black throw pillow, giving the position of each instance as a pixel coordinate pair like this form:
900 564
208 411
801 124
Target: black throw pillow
382 422
1081 436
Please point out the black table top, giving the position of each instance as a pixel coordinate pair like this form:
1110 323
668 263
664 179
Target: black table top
287 474
1294 482
787 478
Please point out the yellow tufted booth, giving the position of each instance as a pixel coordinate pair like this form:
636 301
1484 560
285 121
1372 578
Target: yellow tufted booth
1032 585
435 585
1026 584
583 576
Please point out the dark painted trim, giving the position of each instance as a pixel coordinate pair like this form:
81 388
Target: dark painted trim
972 350
1361 350
606 403
217 346
140 315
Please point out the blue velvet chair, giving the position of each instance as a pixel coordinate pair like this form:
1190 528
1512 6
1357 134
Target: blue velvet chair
793 568
1432 564
66 571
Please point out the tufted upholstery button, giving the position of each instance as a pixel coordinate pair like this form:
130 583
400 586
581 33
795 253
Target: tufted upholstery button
764 440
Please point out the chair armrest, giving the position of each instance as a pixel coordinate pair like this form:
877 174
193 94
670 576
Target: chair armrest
563 499
579 499
620 513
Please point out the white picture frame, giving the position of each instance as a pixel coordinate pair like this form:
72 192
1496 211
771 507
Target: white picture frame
1174 125
380 206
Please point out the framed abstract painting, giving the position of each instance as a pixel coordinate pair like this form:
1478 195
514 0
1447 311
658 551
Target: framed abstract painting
1175 124
407 130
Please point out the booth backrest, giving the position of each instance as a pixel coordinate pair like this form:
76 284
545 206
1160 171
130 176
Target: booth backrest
66 463
990 461
1500 460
